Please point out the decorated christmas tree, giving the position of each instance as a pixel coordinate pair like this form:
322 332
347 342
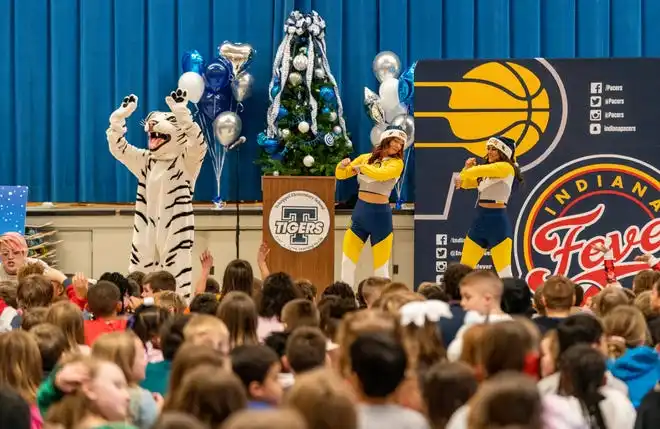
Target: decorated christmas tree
305 132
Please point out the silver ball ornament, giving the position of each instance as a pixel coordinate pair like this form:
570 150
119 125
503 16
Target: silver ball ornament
319 73
308 161
295 79
336 129
303 126
300 62
333 116
349 144
276 173
285 133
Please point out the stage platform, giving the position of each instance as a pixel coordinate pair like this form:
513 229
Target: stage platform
96 237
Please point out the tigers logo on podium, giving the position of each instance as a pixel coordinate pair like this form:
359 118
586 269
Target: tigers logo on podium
579 204
526 103
299 221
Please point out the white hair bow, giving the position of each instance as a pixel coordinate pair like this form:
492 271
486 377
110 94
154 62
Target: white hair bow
418 312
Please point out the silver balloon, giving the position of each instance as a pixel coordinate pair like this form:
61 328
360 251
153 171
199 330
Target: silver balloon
227 127
241 86
295 78
319 73
386 65
237 53
300 62
407 123
373 106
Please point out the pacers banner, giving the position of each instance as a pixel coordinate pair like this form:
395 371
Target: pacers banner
588 145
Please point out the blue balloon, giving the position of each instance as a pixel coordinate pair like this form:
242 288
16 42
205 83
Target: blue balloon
282 113
274 91
407 86
217 75
213 103
327 93
193 61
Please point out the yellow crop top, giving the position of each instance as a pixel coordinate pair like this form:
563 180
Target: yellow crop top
377 178
496 180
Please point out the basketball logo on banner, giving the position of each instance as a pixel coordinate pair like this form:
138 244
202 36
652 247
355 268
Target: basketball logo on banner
576 206
502 98
299 221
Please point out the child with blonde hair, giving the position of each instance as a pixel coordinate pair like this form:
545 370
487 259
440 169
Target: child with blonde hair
20 369
86 393
69 318
126 350
171 301
208 331
481 293
633 361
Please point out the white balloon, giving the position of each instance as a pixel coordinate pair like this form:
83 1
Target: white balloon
399 109
376 131
308 161
193 83
386 65
389 93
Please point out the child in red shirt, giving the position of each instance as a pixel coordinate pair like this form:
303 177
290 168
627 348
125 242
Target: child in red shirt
103 300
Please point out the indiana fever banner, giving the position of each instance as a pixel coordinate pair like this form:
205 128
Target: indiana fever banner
588 143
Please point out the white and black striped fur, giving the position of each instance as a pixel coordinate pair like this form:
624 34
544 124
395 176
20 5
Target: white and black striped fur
164 224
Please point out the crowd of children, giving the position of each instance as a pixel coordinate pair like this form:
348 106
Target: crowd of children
474 352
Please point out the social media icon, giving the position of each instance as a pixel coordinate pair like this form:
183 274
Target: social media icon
439 278
441 239
594 129
595 115
595 101
441 253
596 87
440 266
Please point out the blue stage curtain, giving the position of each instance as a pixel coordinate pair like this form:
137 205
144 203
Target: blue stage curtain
68 63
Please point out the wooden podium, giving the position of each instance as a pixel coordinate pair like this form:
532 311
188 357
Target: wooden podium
299 226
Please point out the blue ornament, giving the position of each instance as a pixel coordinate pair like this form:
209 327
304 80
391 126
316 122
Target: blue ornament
283 112
327 93
270 145
326 110
275 90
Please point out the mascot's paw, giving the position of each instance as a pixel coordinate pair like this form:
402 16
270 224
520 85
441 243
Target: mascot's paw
178 101
128 106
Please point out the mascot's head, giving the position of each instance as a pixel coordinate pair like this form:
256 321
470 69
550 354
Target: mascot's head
166 140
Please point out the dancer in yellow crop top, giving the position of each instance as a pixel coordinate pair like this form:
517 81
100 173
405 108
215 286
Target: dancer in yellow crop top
491 229
377 173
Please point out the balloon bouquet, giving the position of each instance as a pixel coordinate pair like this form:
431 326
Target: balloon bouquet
393 105
218 90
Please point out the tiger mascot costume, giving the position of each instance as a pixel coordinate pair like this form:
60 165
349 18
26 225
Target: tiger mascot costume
164 225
